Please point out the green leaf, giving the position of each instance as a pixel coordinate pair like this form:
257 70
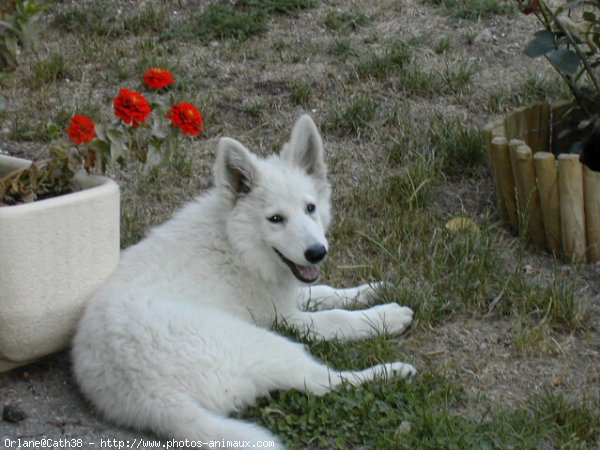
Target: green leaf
53 129
565 61
117 150
100 147
589 16
2 104
115 136
543 42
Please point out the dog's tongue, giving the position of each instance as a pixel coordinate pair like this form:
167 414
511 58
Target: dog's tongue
308 272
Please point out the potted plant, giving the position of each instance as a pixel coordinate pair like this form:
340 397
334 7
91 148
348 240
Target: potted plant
545 158
59 217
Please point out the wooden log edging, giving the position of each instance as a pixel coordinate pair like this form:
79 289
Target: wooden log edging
554 201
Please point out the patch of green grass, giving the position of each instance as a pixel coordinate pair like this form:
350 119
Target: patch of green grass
452 79
149 19
534 88
470 37
457 77
343 48
442 45
300 92
554 305
393 60
255 109
221 22
475 9
54 68
95 18
353 118
412 185
271 7
415 80
101 19
343 22
394 414
459 145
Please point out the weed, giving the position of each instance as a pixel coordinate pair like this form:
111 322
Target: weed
54 68
534 88
475 9
460 146
456 77
470 37
300 92
221 22
554 305
395 414
354 118
342 22
396 57
442 46
255 109
343 49
93 18
148 19
271 7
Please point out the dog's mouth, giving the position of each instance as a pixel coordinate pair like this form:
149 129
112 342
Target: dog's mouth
306 274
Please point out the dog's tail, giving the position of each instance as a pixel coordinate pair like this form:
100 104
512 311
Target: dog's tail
181 418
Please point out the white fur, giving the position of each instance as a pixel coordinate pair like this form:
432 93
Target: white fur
178 337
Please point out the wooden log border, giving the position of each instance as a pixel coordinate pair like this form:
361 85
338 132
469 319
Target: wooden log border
554 201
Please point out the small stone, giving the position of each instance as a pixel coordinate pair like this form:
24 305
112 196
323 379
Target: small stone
13 414
404 427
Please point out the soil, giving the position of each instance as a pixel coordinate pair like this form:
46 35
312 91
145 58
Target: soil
482 349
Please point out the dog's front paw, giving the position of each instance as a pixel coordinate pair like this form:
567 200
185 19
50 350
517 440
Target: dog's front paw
399 369
395 318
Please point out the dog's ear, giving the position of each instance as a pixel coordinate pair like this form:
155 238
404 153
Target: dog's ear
234 169
305 148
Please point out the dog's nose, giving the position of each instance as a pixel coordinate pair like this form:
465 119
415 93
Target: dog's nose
315 254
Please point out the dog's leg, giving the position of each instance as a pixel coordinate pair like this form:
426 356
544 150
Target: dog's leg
179 416
290 366
390 318
327 297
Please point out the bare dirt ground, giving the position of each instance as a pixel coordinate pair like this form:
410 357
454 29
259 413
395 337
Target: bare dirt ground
482 349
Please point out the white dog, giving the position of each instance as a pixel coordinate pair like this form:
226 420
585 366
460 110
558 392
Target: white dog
178 337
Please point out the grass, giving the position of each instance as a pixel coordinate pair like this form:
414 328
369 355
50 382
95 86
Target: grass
353 118
344 22
221 22
240 21
393 59
272 7
300 92
51 69
442 46
405 156
460 146
395 414
475 9
532 89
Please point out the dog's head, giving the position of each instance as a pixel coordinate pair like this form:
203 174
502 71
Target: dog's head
280 206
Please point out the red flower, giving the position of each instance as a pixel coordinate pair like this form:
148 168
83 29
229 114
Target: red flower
186 117
131 107
158 78
81 129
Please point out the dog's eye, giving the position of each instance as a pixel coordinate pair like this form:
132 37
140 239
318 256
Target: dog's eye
310 208
276 218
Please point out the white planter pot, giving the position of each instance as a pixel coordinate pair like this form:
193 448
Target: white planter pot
53 254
